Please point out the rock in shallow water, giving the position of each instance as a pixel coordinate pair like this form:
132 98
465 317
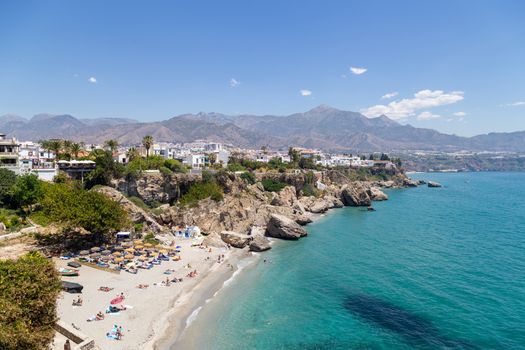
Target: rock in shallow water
433 184
280 226
260 244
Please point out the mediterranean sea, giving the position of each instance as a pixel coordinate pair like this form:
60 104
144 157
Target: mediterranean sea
432 268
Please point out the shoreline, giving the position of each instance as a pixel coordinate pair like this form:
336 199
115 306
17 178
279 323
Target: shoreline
181 316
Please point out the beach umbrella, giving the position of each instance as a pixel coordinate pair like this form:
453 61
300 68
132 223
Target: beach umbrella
106 252
163 251
148 245
127 244
95 255
117 254
138 241
130 250
83 252
118 248
139 247
119 259
143 258
129 256
95 249
104 258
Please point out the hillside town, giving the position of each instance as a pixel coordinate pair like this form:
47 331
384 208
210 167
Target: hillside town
49 157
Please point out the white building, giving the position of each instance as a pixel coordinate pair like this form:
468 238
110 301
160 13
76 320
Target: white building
197 160
9 153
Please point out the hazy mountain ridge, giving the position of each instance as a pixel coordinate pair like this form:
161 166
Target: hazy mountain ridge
323 127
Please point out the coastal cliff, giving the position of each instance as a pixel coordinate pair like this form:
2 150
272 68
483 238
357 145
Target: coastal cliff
247 208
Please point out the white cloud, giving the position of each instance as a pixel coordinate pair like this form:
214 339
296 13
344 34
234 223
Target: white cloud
389 95
516 104
408 107
460 114
92 80
305 93
427 116
357 70
234 82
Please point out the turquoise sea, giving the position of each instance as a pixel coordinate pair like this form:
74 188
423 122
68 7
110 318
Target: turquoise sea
432 268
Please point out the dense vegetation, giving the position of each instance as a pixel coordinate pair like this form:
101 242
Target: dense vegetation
66 202
29 288
271 185
200 191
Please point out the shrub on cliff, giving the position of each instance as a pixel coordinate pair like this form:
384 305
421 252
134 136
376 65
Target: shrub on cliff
77 207
271 185
29 288
200 191
248 177
7 181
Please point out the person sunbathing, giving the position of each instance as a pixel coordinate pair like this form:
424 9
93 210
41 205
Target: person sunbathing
105 289
143 286
100 316
77 302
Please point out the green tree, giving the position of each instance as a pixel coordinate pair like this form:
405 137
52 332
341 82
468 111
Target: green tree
106 169
46 146
248 177
147 142
111 145
90 210
7 182
132 154
271 185
75 149
55 145
29 288
27 190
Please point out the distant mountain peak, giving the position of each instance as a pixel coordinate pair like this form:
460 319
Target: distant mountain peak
322 108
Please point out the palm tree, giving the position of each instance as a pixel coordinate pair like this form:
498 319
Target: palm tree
147 142
46 146
55 145
132 154
66 144
75 149
112 145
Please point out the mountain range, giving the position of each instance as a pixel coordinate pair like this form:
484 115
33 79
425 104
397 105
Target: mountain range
323 127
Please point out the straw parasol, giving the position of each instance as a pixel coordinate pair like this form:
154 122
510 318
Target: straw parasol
139 246
95 256
83 252
148 245
143 258
95 249
106 252
130 250
163 251
127 244
129 256
138 241
117 254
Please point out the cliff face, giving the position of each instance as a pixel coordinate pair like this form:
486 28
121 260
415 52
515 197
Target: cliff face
246 206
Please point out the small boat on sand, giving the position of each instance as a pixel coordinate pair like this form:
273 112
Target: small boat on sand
68 272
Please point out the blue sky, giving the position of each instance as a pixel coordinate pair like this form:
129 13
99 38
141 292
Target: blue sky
457 66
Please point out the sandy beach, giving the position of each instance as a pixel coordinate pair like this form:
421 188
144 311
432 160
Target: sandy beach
156 315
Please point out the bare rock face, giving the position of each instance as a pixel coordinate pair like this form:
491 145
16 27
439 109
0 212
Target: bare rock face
280 226
410 183
136 214
260 244
214 240
355 195
2 227
377 194
235 239
285 197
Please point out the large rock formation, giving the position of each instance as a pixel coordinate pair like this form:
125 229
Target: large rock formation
433 184
235 239
377 195
355 195
280 226
260 244
136 214
213 240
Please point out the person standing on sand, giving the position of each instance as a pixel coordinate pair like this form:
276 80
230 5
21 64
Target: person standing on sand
67 345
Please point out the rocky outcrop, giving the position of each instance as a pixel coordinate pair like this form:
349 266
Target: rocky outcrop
280 226
377 195
2 227
235 239
136 214
213 240
320 205
433 184
285 197
355 195
260 244
410 183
